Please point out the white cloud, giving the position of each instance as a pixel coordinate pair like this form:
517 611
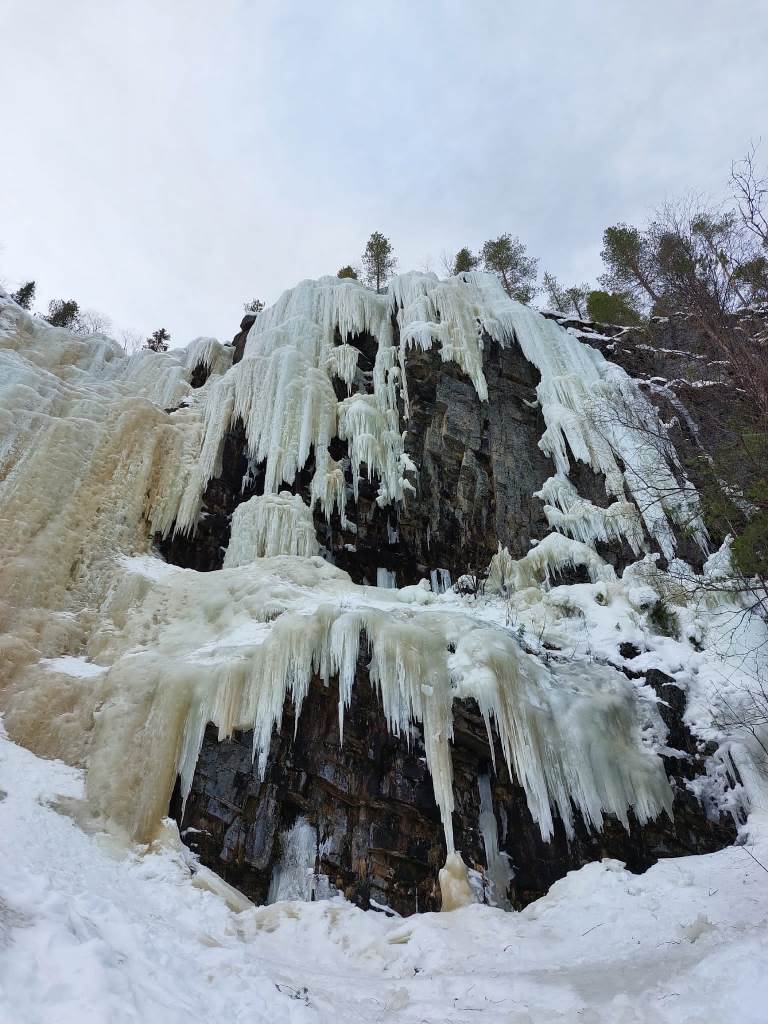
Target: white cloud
166 162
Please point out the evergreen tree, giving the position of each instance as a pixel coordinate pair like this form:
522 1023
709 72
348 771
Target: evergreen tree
158 340
566 300
612 308
577 296
555 293
507 257
629 259
378 260
348 271
64 313
254 306
25 295
464 261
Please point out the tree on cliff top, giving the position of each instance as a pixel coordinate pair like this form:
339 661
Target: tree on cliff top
612 308
566 300
347 272
158 340
63 313
702 262
378 260
255 306
25 295
629 261
508 258
464 261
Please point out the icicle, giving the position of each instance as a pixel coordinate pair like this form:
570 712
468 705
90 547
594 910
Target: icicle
342 362
386 578
570 514
499 872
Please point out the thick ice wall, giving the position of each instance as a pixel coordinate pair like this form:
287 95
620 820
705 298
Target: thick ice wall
283 391
92 466
331 303
72 443
89 464
268 525
183 648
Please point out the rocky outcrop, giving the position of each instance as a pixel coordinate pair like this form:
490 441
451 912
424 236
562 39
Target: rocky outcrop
370 801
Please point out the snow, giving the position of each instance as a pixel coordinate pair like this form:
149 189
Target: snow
89 937
77 667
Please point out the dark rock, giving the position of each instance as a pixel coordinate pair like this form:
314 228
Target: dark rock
372 804
628 651
241 337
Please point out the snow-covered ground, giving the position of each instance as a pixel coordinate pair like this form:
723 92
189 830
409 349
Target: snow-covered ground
89 935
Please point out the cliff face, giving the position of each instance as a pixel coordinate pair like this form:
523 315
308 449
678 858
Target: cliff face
368 806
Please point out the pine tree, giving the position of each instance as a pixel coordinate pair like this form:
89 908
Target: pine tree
464 261
566 300
555 294
507 257
612 308
378 260
25 295
630 261
348 271
158 340
254 306
64 313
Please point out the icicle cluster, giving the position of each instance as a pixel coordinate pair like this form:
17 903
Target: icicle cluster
283 391
551 555
570 514
184 649
270 524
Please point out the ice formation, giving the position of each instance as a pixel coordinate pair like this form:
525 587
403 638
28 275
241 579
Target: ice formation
295 876
100 451
283 390
549 556
499 871
270 524
182 649
570 514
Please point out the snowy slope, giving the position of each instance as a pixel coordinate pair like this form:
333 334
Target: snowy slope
90 936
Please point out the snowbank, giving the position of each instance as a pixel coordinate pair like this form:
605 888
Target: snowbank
88 937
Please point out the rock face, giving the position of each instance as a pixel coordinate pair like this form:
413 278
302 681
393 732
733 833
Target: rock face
371 806
370 802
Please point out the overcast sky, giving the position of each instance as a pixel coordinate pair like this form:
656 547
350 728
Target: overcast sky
165 161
